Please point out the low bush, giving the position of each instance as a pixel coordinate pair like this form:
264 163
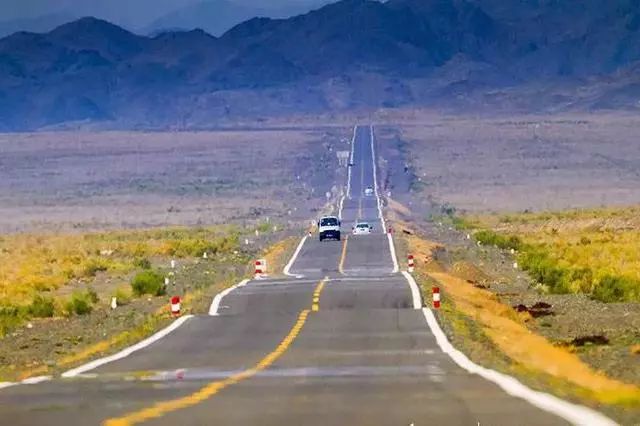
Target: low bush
142 263
545 270
80 303
616 289
42 307
93 266
148 282
123 296
491 238
10 318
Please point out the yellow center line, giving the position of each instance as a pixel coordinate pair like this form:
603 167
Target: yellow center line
343 255
161 408
315 307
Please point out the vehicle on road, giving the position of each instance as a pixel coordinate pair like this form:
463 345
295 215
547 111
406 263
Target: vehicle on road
368 192
329 228
362 228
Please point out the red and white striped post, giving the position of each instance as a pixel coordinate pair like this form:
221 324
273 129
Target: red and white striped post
175 306
261 268
436 297
410 263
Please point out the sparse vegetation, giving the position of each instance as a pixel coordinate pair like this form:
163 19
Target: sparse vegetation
596 252
42 307
142 263
81 303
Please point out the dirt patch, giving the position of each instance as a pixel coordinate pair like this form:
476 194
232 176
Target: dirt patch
537 310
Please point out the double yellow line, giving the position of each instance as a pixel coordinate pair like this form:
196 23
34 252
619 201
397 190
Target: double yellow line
161 408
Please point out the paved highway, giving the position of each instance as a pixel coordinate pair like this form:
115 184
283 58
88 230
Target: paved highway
341 343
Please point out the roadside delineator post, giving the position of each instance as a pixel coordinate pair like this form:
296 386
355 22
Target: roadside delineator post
261 268
175 306
436 297
390 231
410 263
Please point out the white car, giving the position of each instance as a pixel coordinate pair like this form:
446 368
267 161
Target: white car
362 228
329 227
368 192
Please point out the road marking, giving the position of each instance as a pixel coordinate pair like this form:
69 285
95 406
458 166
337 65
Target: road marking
573 413
128 351
353 142
392 250
415 291
343 255
215 304
293 259
375 180
165 407
315 307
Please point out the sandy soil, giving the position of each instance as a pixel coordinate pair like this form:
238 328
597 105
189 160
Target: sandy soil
66 180
525 163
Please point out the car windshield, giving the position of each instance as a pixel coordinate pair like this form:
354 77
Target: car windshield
362 225
329 221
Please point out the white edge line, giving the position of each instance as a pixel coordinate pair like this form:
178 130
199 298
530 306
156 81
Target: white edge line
353 140
293 258
573 413
392 248
215 304
128 351
35 380
415 291
375 180
4 385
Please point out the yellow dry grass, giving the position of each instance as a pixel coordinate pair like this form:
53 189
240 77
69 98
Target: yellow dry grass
277 255
34 263
604 241
506 330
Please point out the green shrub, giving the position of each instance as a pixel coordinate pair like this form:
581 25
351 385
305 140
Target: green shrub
123 297
80 303
142 263
616 289
148 282
493 239
545 270
264 227
42 307
460 224
10 318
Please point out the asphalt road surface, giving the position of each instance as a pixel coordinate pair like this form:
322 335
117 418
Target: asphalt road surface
340 344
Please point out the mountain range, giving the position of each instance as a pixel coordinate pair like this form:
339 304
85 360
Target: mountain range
218 16
480 55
